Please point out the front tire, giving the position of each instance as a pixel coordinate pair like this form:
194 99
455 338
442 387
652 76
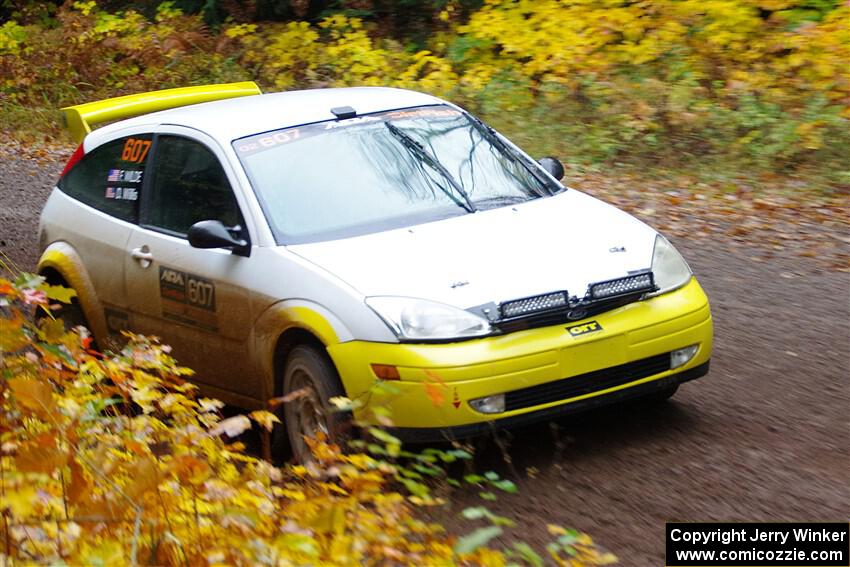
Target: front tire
311 413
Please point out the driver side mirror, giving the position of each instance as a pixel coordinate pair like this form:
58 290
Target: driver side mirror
553 166
213 234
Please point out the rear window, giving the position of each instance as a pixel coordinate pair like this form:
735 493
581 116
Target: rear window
109 178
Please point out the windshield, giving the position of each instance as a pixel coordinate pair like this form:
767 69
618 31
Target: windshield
382 171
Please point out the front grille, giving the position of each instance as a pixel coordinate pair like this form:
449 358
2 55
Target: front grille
560 316
586 383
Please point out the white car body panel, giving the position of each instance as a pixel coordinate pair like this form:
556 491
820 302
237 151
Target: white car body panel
562 242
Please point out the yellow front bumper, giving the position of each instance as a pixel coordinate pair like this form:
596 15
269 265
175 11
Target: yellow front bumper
438 380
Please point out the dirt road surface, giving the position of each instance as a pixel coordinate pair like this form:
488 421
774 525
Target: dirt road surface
765 436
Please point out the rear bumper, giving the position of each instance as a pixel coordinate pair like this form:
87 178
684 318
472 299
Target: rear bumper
437 382
433 435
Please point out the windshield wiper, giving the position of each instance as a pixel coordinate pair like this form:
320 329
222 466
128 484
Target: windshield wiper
499 201
419 151
493 137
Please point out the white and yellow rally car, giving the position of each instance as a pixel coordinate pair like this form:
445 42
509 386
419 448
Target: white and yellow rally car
331 240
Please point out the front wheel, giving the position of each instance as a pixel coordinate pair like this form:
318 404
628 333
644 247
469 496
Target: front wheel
311 413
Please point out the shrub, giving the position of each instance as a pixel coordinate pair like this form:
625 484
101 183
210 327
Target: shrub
112 459
757 82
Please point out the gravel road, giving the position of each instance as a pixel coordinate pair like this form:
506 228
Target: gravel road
765 436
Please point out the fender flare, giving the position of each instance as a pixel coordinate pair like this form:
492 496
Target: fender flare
61 257
288 315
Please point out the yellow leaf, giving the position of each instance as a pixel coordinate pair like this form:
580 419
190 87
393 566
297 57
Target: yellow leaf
104 510
12 337
329 520
53 329
34 395
40 455
80 486
108 552
20 501
144 477
191 470
58 292
265 418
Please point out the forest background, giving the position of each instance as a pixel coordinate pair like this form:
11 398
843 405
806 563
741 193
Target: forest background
720 89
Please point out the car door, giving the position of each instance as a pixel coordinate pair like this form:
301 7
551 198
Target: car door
107 181
196 300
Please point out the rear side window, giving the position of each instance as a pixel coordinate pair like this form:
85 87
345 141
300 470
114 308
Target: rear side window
189 185
109 178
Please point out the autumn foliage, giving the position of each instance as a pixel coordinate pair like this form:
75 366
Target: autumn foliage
112 459
755 82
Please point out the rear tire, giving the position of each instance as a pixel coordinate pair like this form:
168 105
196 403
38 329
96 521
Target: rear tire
309 370
72 314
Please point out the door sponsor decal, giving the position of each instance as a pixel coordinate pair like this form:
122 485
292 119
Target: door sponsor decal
584 328
124 176
122 193
187 298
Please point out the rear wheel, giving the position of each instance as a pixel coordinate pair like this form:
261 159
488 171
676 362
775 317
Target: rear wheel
311 413
72 314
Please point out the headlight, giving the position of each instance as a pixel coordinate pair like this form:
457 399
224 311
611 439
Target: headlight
417 319
669 268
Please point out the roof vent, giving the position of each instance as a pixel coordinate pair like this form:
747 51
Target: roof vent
343 112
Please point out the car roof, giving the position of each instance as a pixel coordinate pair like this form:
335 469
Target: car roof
227 120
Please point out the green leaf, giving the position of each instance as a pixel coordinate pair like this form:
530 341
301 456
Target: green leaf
382 435
430 471
415 488
525 552
28 281
60 352
502 521
376 449
460 454
488 496
410 474
473 478
506 486
491 476
475 513
476 539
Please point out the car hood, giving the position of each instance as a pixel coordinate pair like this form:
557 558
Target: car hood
563 242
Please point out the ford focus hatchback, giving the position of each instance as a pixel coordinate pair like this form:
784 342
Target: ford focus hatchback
373 243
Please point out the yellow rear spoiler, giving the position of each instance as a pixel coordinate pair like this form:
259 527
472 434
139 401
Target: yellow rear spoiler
79 119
